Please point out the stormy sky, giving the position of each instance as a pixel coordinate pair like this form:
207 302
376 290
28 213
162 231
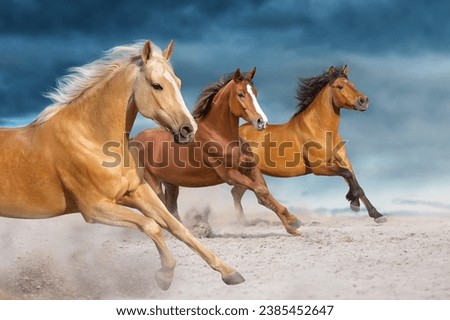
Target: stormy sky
398 53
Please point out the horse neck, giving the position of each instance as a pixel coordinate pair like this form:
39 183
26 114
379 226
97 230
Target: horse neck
321 113
109 110
220 118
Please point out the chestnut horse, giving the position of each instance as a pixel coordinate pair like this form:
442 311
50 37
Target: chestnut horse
61 162
310 142
215 156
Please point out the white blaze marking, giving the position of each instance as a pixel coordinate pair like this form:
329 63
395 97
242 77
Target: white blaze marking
256 104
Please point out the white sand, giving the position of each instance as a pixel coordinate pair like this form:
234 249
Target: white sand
341 257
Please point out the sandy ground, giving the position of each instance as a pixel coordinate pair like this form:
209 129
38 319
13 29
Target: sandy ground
340 257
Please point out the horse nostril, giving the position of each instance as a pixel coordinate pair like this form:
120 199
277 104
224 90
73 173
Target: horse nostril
260 124
363 100
186 131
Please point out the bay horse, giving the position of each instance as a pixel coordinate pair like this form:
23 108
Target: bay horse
63 161
310 141
215 156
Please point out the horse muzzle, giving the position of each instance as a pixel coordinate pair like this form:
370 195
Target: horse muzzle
259 124
362 104
185 134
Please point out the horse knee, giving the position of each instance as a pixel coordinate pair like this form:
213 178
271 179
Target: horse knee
152 229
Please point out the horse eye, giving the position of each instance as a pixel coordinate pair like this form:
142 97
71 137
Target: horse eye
340 87
241 94
157 86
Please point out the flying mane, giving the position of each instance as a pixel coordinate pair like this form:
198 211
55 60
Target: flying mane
204 101
309 88
79 79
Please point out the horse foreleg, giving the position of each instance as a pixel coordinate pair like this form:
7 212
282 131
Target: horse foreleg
171 192
271 203
115 215
356 192
259 187
352 196
151 206
290 222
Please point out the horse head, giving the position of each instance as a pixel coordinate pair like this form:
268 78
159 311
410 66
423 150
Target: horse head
243 100
157 94
344 93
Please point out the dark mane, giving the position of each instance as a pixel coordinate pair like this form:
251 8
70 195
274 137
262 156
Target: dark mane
204 100
309 88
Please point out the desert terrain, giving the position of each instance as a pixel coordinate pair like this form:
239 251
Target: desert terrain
345 256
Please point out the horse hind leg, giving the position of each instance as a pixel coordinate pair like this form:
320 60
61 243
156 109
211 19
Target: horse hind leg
237 193
115 215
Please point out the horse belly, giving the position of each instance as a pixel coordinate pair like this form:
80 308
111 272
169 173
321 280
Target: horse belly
40 199
188 176
281 163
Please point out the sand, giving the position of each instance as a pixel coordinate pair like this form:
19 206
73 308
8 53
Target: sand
339 257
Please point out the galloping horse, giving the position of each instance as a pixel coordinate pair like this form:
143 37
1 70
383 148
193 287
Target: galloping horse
215 156
62 162
310 142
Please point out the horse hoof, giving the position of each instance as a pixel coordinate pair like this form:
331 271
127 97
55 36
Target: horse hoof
355 208
234 278
381 219
163 280
294 232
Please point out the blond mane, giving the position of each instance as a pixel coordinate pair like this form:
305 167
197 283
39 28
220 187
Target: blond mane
79 79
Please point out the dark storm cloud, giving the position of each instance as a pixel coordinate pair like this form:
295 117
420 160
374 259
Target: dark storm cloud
350 25
39 40
110 19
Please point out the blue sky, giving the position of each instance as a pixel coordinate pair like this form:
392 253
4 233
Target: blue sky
398 53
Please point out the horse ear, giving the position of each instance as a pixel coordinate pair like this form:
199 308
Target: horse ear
169 50
345 70
251 73
146 51
237 75
331 71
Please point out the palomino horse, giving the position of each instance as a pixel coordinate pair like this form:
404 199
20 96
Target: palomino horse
215 155
61 162
310 141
